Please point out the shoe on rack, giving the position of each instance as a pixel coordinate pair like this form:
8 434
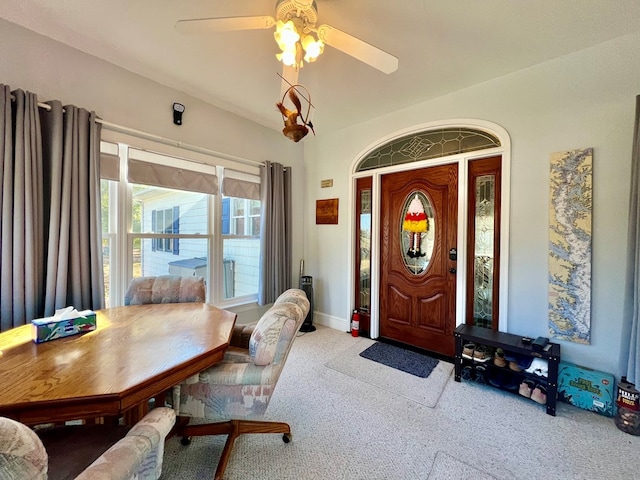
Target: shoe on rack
467 373
496 378
481 353
498 358
539 394
468 350
511 384
526 388
514 366
481 374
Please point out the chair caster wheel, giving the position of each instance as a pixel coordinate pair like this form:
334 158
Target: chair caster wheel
185 441
286 438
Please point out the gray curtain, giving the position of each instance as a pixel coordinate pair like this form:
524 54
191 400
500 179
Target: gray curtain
51 254
275 232
632 306
21 252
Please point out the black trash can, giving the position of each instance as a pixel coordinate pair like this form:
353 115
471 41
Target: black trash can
306 284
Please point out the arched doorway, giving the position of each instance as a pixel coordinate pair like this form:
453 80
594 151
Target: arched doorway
458 272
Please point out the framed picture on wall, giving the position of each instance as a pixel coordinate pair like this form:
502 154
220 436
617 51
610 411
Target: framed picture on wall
327 212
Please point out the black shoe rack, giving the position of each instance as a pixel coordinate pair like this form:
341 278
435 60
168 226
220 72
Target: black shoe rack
502 377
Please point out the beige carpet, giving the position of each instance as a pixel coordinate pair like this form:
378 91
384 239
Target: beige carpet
425 391
346 429
446 467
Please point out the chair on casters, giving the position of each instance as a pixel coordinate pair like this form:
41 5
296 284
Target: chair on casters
165 289
239 389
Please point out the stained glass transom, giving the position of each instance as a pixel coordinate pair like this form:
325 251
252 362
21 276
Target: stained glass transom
425 145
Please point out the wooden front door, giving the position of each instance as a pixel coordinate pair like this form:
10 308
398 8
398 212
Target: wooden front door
418 268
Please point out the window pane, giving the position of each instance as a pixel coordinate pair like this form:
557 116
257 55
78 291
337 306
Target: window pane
108 206
192 261
192 207
239 226
365 249
241 255
238 207
255 226
483 249
255 207
166 211
241 260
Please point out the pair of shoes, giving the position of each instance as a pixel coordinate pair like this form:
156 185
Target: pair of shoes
478 353
467 373
481 374
496 378
498 358
526 387
514 366
468 349
481 353
539 394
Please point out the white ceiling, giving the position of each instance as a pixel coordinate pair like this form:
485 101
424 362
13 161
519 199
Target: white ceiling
442 46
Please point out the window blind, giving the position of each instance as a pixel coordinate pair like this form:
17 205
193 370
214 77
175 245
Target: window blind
109 161
240 185
151 168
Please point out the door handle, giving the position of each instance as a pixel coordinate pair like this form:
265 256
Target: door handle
452 270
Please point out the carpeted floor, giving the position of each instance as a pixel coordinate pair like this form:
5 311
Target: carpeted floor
425 391
349 429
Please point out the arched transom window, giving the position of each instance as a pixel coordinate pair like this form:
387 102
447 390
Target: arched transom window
425 145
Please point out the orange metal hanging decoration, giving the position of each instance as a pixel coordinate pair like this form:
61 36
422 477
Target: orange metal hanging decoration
292 129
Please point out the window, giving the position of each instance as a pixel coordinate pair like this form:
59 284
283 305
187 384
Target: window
169 231
166 221
169 207
240 227
108 191
241 245
240 216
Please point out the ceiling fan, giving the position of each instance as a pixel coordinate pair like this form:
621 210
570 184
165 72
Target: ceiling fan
295 23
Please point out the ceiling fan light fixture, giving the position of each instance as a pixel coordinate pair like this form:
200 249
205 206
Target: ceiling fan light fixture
286 35
312 47
288 57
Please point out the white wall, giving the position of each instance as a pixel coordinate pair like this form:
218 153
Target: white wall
54 71
583 100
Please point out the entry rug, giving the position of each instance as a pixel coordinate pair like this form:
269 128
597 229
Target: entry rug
411 362
425 391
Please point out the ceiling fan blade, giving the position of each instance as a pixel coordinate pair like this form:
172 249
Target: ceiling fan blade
223 24
363 51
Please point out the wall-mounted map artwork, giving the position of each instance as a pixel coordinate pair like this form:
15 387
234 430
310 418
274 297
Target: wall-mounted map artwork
571 203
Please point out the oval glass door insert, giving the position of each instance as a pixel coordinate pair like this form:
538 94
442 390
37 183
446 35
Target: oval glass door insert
417 232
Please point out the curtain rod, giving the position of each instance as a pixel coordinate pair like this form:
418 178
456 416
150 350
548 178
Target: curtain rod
167 141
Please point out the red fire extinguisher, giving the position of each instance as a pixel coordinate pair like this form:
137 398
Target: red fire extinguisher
355 324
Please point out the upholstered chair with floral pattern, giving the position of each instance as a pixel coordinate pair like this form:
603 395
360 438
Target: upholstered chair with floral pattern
237 391
165 289
136 453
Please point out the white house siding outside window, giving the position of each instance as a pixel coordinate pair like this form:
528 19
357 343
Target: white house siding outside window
241 244
170 230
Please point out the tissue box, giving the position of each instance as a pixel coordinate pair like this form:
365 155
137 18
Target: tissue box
50 328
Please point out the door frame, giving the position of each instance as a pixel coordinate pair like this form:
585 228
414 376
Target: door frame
462 160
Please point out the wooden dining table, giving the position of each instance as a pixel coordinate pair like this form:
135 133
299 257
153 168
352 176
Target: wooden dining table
136 353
